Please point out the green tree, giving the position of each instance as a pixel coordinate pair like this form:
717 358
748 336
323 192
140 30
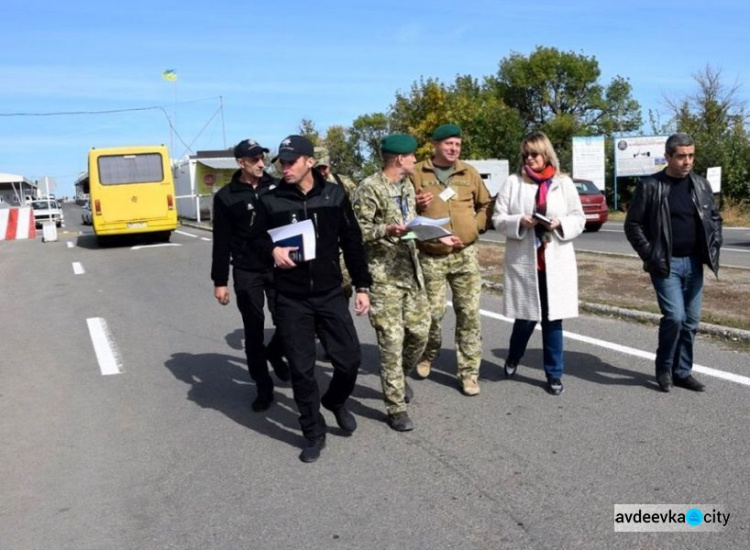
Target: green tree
419 112
717 120
344 151
559 93
491 129
366 133
307 129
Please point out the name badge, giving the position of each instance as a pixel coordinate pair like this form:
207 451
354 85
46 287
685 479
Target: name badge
447 194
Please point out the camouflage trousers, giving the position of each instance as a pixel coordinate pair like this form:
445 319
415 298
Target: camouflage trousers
461 271
401 319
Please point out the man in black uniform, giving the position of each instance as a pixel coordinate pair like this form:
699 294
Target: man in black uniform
309 299
234 229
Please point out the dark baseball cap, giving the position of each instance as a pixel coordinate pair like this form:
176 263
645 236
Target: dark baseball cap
293 147
248 148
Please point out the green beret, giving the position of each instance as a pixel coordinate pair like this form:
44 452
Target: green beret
398 144
446 131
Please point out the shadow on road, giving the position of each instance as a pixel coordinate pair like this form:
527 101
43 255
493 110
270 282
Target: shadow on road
222 382
580 365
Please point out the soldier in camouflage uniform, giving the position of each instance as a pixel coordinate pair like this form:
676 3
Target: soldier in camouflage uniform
399 312
446 187
323 166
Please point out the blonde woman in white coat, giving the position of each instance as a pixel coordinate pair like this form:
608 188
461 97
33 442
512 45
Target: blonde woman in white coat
540 213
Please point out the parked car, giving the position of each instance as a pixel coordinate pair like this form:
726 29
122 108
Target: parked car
594 204
46 210
86 213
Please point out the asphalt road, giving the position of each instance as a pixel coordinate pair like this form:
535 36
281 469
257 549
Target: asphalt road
610 238
166 453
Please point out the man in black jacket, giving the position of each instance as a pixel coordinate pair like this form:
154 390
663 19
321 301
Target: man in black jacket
674 227
234 229
309 298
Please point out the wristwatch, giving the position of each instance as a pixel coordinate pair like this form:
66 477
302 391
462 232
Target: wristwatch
362 290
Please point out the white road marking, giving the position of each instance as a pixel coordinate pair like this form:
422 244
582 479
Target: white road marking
205 239
70 244
727 249
186 234
736 378
104 346
78 268
153 246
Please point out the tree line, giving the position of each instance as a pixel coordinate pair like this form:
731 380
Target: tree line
561 94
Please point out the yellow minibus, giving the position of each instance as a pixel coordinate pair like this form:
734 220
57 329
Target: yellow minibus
131 190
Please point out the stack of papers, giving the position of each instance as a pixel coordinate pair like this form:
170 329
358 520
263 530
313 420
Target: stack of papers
427 229
300 235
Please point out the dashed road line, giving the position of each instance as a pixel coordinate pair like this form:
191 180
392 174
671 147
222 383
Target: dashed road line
78 268
139 247
106 351
186 234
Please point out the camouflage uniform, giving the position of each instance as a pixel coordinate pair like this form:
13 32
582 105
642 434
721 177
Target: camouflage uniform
468 210
322 158
399 311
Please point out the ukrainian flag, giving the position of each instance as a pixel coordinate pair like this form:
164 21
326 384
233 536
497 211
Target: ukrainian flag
170 75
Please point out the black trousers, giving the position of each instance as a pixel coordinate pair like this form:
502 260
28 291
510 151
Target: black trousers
251 287
299 319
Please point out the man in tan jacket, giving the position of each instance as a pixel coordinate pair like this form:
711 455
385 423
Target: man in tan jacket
446 187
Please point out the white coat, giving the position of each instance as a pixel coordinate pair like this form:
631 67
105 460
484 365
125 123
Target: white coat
521 286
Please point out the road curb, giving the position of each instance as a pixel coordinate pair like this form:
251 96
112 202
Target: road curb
196 225
729 333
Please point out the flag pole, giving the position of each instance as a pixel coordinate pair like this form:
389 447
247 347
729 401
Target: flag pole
223 129
171 76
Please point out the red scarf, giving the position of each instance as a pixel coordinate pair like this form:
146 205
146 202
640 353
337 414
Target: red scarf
543 179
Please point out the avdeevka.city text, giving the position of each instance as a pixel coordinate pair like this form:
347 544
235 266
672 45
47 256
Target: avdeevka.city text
670 516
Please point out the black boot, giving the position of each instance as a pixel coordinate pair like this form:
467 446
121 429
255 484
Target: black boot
312 448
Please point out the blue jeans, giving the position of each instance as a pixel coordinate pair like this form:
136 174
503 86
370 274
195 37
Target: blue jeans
680 297
552 336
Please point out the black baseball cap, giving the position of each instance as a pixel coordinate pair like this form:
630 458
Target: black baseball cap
293 147
248 148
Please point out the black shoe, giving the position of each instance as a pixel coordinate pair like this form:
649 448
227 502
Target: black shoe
665 382
408 393
280 368
555 386
400 422
311 451
344 419
263 401
511 365
689 383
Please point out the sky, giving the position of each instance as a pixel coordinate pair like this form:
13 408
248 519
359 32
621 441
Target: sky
255 70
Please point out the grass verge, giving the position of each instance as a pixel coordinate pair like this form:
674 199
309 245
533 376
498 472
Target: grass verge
620 281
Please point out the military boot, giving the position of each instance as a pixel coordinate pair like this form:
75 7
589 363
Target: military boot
470 386
423 368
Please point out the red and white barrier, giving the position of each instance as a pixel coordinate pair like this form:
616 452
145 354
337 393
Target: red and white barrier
17 223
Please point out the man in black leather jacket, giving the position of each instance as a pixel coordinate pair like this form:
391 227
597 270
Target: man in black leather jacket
234 228
309 298
674 227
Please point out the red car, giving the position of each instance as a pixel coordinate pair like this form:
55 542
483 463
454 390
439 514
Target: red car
594 204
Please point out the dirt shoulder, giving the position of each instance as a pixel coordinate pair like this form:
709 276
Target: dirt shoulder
620 281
